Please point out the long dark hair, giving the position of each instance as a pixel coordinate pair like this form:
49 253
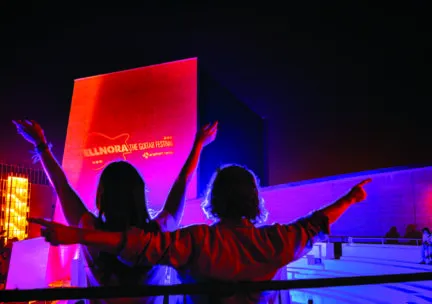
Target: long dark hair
121 198
233 193
121 203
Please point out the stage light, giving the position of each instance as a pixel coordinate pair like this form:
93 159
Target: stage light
15 208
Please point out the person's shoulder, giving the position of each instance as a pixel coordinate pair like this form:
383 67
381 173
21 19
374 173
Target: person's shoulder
165 221
272 229
197 229
270 226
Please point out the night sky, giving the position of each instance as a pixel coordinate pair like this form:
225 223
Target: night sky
344 87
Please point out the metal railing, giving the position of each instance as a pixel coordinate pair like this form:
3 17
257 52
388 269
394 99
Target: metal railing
35 176
373 240
220 289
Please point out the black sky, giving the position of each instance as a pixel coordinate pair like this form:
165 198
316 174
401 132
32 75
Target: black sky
344 86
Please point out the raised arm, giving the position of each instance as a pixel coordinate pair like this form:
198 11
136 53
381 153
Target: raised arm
355 195
73 207
298 237
176 198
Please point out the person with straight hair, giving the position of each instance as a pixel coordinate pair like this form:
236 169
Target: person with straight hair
121 204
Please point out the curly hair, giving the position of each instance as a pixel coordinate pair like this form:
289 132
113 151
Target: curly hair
233 193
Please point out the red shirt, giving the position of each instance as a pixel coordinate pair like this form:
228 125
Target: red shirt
227 251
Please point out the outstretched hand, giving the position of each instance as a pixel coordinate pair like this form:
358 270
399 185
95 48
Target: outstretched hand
207 134
30 130
357 193
57 234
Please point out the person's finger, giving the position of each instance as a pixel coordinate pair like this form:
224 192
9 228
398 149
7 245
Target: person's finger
29 122
24 123
18 125
214 126
364 182
211 127
40 221
206 126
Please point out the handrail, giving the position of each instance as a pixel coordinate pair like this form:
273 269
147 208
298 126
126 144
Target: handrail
221 289
382 240
373 238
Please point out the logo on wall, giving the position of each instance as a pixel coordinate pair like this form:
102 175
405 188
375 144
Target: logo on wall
104 148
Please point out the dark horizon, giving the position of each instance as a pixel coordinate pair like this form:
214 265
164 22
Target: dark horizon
344 88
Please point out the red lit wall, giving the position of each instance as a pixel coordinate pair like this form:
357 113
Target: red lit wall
42 201
146 116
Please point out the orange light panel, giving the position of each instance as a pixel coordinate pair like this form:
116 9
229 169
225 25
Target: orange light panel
15 208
